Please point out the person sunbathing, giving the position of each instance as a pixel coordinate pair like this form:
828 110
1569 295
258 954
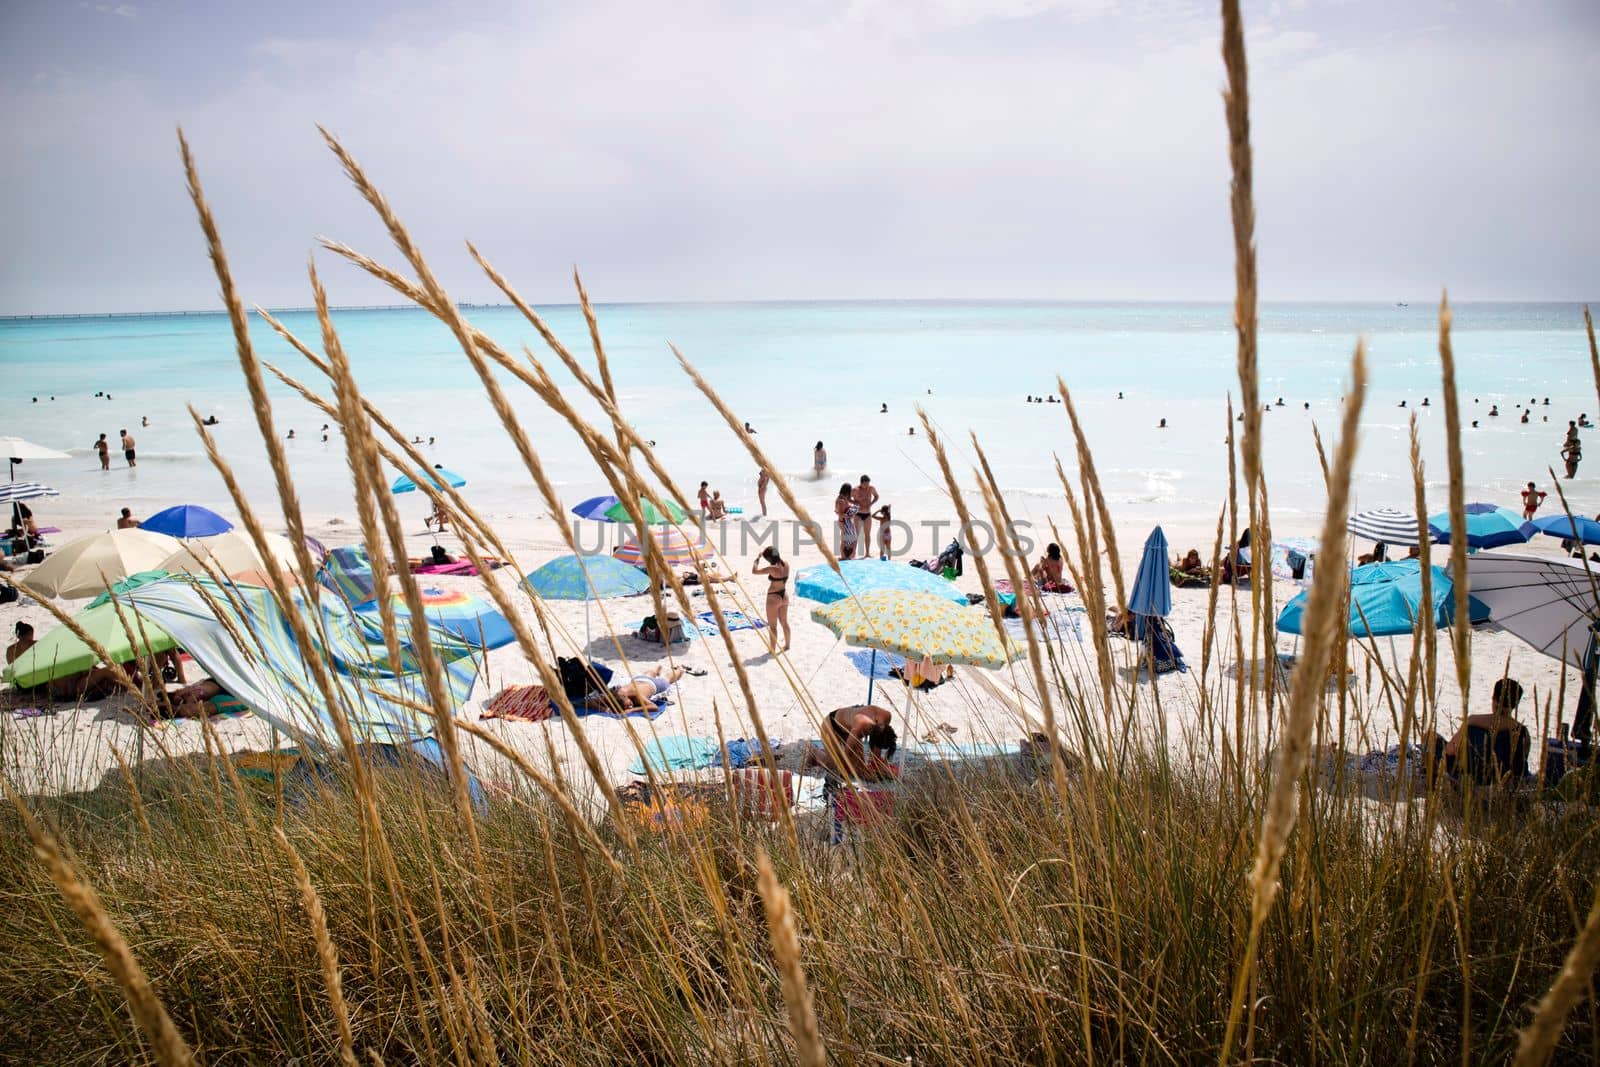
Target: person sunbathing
1192 564
718 509
1047 572
200 699
644 692
857 744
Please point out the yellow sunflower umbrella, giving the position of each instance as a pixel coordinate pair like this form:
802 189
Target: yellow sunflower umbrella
918 625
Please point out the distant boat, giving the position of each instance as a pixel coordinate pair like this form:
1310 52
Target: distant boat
1401 304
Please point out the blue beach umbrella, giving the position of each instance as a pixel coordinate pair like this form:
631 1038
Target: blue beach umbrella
859 576
457 613
1380 608
594 508
187 520
404 484
587 578
1488 526
1570 528
1152 586
1387 571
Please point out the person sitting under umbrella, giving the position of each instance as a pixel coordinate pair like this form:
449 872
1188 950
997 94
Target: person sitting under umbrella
1504 741
93 684
857 744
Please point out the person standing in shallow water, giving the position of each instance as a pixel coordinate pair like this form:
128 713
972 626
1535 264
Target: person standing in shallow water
103 448
819 459
127 449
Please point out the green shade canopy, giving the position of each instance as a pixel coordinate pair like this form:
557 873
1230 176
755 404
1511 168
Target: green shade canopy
61 653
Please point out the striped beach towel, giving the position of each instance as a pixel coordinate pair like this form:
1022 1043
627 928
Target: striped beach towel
520 703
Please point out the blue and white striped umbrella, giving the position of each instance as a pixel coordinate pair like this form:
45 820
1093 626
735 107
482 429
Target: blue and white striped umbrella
13 491
1385 525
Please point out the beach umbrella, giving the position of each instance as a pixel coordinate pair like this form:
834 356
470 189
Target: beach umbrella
83 567
1488 526
457 612
61 652
15 449
404 484
131 582
1389 608
676 547
1387 571
232 553
618 512
15 491
917 626
857 576
347 570
1552 605
187 520
594 508
1386 525
587 578
1569 528
1152 586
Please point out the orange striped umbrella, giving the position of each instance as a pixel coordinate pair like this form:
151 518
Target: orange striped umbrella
676 547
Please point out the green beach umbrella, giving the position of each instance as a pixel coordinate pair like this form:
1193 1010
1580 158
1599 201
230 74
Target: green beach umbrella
60 653
652 515
132 581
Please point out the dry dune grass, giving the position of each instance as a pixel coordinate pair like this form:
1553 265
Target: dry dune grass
1132 901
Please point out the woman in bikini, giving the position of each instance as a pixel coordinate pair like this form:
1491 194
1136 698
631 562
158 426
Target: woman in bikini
844 509
777 575
842 751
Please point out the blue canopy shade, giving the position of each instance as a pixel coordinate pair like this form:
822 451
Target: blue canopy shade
1488 526
594 508
1571 528
187 520
1152 586
587 578
404 484
824 585
1388 608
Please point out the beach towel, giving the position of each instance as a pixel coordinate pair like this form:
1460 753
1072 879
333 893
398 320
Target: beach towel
520 703
736 620
884 666
1065 625
741 752
669 755
603 704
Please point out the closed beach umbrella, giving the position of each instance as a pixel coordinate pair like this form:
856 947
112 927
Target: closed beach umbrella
61 652
587 578
1387 525
858 576
1488 526
594 508
678 548
456 612
404 484
1569 528
15 491
187 520
232 554
618 512
918 625
1389 607
1152 586
84 567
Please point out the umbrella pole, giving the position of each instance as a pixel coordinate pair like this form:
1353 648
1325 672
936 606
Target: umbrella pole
872 675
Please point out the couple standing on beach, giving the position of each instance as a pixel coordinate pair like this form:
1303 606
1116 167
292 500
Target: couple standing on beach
103 449
853 510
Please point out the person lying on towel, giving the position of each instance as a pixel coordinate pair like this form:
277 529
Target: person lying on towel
643 692
201 699
857 744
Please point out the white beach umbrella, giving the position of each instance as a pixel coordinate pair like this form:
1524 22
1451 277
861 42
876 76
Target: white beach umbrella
15 450
1386 525
231 553
1549 603
83 567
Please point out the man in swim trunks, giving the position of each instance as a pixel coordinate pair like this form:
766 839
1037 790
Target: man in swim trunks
843 752
127 449
864 496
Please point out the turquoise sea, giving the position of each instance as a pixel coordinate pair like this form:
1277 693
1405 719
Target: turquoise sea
803 372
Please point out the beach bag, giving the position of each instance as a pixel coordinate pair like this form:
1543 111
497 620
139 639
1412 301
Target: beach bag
579 679
440 556
650 630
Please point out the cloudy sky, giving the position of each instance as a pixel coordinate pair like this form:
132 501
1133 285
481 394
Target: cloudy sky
723 150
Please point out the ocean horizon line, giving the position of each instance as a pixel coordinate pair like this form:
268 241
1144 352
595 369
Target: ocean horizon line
66 316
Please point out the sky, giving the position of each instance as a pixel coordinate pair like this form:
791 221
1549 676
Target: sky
715 150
